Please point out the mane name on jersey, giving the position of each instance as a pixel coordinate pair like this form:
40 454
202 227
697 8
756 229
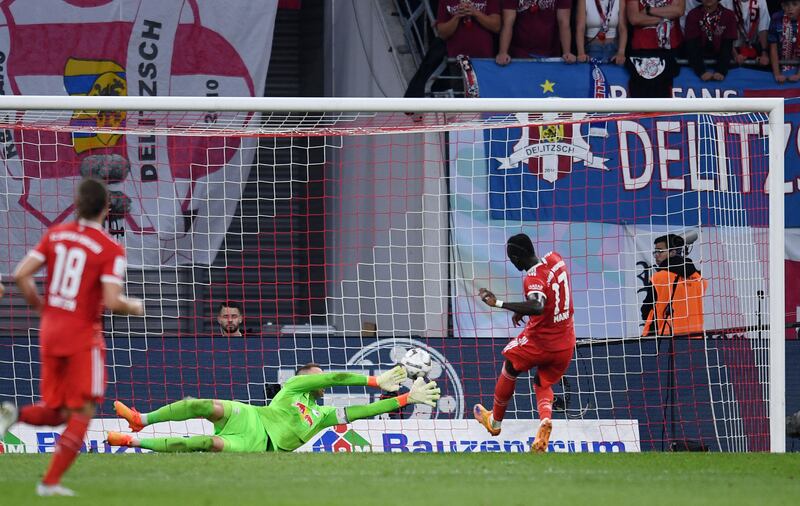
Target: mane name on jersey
560 317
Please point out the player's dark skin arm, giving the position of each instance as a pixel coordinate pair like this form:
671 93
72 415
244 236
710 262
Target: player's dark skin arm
527 308
531 307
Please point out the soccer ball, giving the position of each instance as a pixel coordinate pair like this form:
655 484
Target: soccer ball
417 362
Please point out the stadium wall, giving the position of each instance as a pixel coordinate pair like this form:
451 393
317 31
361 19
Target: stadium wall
150 372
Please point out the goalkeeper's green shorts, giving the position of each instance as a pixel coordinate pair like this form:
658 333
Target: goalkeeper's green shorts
244 431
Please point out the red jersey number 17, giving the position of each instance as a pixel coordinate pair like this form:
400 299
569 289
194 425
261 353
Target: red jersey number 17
561 306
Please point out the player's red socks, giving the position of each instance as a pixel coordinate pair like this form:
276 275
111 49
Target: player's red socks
544 401
39 414
67 448
503 391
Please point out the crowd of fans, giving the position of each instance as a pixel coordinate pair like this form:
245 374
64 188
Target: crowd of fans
647 36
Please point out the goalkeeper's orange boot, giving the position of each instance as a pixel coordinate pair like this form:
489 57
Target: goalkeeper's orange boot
133 417
119 439
542 436
484 417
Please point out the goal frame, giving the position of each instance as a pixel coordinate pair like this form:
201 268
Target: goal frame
774 107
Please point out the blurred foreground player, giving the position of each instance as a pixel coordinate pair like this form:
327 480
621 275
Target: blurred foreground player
288 422
85 271
547 342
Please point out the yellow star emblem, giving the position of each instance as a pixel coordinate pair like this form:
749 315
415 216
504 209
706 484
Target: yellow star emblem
547 86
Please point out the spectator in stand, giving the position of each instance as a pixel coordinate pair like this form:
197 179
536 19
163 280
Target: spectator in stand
604 24
752 24
710 33
468 27
655 37
535 28
782 38
230 318
464 28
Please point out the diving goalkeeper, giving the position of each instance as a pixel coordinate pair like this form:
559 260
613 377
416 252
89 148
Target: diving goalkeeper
290 420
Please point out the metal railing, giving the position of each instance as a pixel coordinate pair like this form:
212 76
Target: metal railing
417 20
444 82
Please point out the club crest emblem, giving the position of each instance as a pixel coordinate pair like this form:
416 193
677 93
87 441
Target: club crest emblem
95 78
551 133
550 150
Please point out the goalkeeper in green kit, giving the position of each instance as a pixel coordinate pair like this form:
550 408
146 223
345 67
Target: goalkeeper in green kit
290 420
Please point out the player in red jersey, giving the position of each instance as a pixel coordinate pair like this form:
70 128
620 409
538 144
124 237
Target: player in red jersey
547 342
85 271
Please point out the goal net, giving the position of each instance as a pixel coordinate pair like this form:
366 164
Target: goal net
346 232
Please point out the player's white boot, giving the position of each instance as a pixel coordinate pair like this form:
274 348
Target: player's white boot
8 417
43 490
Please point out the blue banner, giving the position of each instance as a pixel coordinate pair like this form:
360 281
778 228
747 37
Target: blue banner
683 170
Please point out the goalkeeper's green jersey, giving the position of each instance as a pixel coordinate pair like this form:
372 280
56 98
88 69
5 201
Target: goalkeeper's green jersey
293 417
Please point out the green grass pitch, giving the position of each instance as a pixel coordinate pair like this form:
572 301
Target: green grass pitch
413 479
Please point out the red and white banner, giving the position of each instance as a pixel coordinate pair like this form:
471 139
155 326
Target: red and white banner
181 191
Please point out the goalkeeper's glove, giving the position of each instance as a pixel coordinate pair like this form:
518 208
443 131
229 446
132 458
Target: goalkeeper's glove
391 379
426 393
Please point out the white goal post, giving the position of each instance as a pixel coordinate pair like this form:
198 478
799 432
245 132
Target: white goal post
25 117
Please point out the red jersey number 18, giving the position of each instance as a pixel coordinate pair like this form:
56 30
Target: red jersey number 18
66 279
